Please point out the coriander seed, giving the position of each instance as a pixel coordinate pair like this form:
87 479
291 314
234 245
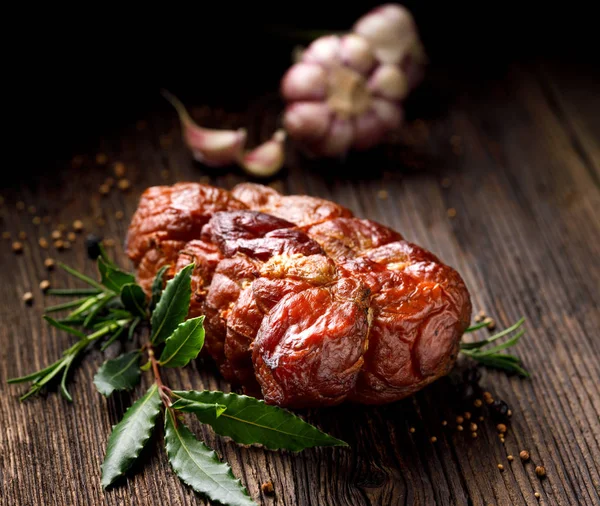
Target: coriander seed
501 467
119 215
459 428
22 235
49 264
524 454
28 298
459 419
412 430
44 285
56 235
6 234
43 242
510 458
501 428
78 225
101 158
473 427
267 487
71 236
124 184
477 403
537 495
474 435
36 221
540 471
17 247
119 169
433 439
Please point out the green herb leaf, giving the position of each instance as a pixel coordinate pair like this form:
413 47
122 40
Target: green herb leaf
508 363
173 306
81 276
198 407
112 277
198 466
184 343
130 435
121 373
64 327
70 292
251 421
485 342
134 299
157 286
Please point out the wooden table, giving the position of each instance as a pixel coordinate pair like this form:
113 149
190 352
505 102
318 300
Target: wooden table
499 177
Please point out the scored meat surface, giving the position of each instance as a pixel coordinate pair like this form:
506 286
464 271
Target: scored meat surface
305 304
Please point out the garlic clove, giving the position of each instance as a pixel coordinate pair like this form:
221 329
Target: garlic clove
338 139
268 158
391 31
390 113
304 81
307 120
324 51
389 81
355 52
369 130
211 147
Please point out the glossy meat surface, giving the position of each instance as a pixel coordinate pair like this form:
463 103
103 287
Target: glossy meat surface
304 303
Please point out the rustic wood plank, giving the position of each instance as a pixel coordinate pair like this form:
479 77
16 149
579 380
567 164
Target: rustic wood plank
509 157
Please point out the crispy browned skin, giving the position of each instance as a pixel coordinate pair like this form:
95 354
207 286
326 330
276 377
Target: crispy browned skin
308 304
301 210
167 217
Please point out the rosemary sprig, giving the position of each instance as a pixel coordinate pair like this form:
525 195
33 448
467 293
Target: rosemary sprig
491 357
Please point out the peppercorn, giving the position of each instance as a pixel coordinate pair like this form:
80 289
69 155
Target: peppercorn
472 375
49 263
124 184
44 285
468 392
499 408
78 225
17 247
501 428
28 298
92 245
540 471
267 487
524 454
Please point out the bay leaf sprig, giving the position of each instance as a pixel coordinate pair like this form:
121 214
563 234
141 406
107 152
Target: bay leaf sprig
114 307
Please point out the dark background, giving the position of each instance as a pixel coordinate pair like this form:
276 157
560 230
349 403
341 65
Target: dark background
74 73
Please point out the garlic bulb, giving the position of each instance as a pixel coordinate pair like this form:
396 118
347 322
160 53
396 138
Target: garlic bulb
346 91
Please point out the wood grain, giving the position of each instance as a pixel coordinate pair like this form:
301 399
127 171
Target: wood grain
516 156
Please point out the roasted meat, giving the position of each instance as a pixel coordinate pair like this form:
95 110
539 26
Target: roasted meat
305 305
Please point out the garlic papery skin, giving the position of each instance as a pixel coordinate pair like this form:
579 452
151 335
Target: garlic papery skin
346 91
214 148
268 158
392 33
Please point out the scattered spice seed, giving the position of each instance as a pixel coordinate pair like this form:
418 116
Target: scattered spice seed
78 225
459 428
433 439
510 458
119 215
59 245
537 495
540 471
444 423
119 169
31 209
43 242
20 205
110 181
267 487
124 184
473 435
491 324
109 243
49 264
477 403
46 220
44 285
481 418
459 419
17 247
100 222
6 235
509 413
467 415
501 467
71 236
478 318
56 235
412 430
104 189
473 427
67 244
101 158
501 428
382 194
486 395
76 161
36 220
502 440
28 298
451 212
22 235
62 227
